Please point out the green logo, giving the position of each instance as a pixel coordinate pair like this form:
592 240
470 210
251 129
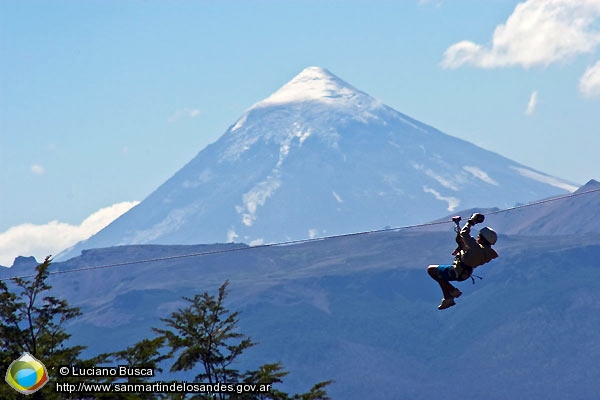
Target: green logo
27 374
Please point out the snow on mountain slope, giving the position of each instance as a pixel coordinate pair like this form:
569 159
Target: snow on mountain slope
317 84
320 157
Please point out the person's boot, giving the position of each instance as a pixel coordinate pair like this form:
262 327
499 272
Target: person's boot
455 293
446 303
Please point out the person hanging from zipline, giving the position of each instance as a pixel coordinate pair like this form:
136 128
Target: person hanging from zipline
469 254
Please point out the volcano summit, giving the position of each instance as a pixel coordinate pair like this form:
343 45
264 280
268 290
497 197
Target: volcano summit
320 157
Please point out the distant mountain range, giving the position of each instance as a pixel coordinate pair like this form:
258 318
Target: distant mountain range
320 157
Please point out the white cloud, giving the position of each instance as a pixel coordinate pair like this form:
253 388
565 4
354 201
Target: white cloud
589 84
532 104
539 32
184 113
337 197
53 237
257 242
38 169
231 236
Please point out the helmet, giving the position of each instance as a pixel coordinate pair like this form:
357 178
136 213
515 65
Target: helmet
489 234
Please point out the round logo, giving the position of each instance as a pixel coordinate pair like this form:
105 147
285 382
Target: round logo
27 374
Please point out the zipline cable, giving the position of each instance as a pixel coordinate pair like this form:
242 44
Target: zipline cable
299 241
549 200
213 252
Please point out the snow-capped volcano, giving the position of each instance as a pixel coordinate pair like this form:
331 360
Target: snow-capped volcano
319 157
313 102
318 84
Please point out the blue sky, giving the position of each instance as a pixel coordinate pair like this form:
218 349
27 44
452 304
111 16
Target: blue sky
102 101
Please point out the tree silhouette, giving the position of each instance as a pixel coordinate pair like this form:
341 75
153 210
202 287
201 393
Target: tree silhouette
32 321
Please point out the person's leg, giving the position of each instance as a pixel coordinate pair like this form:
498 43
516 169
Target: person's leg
450 289
446 287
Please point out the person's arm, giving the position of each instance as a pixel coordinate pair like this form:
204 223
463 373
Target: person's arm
468 241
